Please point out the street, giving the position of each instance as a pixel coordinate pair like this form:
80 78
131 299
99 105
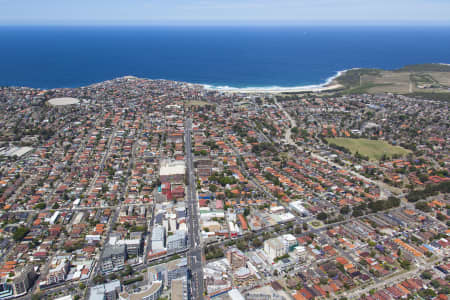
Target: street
195 249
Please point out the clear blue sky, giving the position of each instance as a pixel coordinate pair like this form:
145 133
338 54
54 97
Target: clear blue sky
223 12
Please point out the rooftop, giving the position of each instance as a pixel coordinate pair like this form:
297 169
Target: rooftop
150 290
98 291
63 101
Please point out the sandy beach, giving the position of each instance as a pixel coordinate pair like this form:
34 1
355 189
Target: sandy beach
278 90
330 84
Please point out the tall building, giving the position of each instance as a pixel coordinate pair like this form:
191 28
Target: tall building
236 258
243 276
176 269
158 238
177 241
107 291
289 241
150 292
113 258
133 247
22 281
179 289
58 271
275 247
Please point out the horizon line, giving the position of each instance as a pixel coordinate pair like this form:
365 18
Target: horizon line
422 23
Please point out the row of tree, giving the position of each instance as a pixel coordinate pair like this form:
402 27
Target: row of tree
430 190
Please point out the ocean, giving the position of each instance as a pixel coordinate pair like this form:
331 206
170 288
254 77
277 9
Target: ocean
240 57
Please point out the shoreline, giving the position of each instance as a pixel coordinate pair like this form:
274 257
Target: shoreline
328 85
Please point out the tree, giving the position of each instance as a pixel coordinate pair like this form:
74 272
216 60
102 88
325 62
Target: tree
242 245
435 283
246 211
405 264
426 275
127 271
20 233
98 279
297 230
257 242
41 205
357 212
322 216
36 296
212 252
445 290
440 217
423 206
427 293
345 210
332 273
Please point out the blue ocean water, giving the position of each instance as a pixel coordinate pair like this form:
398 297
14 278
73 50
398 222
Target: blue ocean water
48 57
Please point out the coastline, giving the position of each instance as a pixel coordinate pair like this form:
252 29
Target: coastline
331 84
328 85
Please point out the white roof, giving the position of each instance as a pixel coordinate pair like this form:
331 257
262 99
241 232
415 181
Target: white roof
67 297
16 151
98 291
63 101
175 167
298 205
276 208
289 237
235 295
286 217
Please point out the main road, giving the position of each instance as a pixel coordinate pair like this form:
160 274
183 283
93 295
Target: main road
195 248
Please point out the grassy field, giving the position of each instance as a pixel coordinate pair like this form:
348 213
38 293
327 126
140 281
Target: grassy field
373 149
427 78
406 82
197 103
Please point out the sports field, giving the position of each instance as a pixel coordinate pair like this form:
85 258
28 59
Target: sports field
373 149
197 103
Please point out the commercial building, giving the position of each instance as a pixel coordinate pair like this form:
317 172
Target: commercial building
236 258
172 171
58 271
113 258
158 238
149 292
133 246
17 285
275 247
176 269
289 241
177 241
179 289
243 276
107 291
301 252
298 207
